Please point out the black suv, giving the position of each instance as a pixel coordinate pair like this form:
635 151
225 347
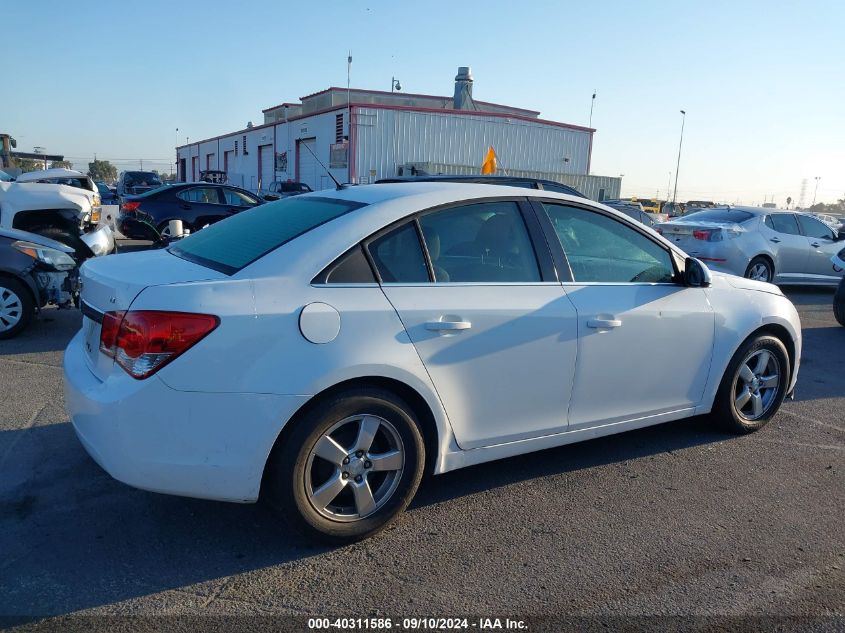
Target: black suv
507 181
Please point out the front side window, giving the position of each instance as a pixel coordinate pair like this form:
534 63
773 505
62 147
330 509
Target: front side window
783 223
601 249
200 195
486 242
238 199
398 256
811 227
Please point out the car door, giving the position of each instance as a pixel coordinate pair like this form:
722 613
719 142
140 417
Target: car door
822 244
485 315
789 246
201 205
645 342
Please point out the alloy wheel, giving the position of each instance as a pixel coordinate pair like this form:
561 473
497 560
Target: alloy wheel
354 468
758 272
11 309
756 384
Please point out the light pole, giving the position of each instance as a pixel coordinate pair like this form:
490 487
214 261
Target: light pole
678 166
668 186
394 84
592 103
816 189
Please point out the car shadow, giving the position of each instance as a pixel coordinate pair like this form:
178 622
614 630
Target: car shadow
820 372
73 538
50 331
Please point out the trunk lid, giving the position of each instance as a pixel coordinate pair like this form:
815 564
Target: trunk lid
111 283
689 234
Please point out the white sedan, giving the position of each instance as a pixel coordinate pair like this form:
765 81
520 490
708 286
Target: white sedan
323 351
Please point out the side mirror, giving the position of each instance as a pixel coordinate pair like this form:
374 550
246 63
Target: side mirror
696 274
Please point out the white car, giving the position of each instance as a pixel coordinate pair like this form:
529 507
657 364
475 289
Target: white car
324 350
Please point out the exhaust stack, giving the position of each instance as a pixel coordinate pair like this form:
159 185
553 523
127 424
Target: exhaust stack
463 89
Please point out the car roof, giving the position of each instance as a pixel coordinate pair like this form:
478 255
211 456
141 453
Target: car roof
478 178
53 172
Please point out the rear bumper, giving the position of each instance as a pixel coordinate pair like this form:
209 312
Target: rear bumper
195 444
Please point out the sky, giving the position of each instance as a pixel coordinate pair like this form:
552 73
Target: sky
762 82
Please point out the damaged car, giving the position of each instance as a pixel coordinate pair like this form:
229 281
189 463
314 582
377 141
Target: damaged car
35 271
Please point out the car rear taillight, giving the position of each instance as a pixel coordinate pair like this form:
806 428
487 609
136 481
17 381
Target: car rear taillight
707 235
144 341
130 207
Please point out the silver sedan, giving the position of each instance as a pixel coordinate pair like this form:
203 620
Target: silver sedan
782 247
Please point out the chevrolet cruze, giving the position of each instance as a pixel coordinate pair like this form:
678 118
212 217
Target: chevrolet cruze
324 351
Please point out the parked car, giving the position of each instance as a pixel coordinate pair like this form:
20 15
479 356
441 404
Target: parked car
59 212
107 195
34 271
781 247
322 351
284 189
632 210
838 262
510 181
132 183
195 203
71 178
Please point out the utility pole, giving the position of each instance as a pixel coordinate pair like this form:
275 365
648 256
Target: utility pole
678 166
816 189
592 103
668 186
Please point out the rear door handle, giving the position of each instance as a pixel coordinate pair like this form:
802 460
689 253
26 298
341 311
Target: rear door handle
604 323
776 240
441 326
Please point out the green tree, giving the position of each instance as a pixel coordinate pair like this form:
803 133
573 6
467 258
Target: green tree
102 170
62 163
28 164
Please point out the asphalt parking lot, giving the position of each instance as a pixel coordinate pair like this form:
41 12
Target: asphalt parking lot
674 520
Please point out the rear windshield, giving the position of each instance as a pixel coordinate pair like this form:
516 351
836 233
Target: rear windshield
236 242
143 178
721 215
294 187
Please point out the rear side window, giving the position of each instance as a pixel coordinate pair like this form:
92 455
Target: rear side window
201 195
233 243
238 199
398 256
783 223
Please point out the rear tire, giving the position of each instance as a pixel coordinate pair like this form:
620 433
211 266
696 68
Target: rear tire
17 307
839 303
760 269
349 466
753 386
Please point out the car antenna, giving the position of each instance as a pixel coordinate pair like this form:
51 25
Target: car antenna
337 184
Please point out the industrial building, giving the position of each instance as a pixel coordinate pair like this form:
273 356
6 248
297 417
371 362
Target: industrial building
363 135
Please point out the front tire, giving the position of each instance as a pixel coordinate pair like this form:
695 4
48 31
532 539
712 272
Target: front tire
348 467
760 269
17 307
754 385
839 303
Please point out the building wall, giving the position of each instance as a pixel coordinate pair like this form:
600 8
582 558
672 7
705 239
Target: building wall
242 168
388 138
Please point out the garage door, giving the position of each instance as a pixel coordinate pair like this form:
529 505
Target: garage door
307 165
265 162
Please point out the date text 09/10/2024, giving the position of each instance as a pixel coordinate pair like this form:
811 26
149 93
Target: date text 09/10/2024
424 623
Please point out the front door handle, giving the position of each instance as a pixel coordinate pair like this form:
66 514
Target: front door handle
447 326
776 240
815 244
604 323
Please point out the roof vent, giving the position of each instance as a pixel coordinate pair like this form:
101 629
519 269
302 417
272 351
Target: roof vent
463 89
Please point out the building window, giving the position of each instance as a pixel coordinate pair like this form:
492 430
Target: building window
244 139
236 148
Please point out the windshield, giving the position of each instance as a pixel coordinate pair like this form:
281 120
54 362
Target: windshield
142 178
295 187
236 242
721 215
103 188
